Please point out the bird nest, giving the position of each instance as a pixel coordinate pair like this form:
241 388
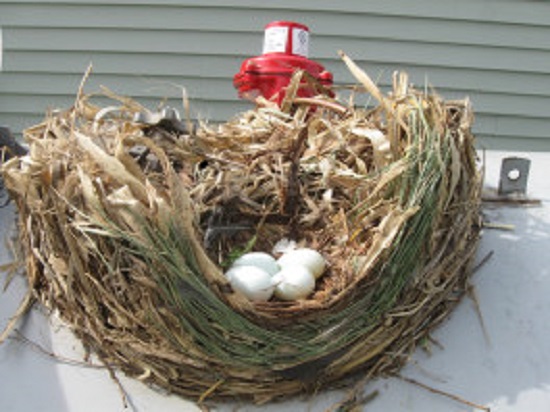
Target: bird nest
128 227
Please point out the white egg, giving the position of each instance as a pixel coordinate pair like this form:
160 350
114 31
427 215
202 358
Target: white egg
252 282
260 260
311 259
293 283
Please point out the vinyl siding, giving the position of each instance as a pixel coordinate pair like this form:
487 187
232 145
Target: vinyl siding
495 52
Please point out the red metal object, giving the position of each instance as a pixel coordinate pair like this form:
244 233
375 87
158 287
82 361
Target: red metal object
285 51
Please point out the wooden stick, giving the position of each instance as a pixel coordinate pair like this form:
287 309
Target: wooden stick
483 261
499 226
23 308
472 294
512 200
66 361
443 393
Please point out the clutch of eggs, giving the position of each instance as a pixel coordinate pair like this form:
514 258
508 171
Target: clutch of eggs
257 275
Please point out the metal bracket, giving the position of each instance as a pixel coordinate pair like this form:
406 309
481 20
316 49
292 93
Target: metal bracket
168 118
514 174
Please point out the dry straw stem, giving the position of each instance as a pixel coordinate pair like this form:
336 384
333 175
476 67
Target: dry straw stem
127 230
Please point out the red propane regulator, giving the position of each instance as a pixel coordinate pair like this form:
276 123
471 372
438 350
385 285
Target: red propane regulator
285 50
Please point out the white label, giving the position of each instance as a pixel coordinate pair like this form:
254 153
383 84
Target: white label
300 42
275 39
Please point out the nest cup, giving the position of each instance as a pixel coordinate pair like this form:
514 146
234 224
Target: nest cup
127 229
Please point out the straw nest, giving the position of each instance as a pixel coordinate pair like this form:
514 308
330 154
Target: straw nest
127 229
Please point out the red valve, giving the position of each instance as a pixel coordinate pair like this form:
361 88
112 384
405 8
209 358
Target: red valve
285 51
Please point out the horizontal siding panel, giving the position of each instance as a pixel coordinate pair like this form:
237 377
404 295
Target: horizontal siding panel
518 12
136 86
510 126
512 143
162 64
361 25
240 44
188 65
121 41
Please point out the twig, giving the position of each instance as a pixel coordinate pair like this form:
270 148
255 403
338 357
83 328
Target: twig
209 391
291 203
483 261
80 92
517 201
354 402
443 393
499 226
25 305
126 402
354 393
206 408
11 270
67 361
472 294
435 342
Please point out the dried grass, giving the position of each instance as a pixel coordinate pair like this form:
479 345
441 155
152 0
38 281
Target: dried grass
127 229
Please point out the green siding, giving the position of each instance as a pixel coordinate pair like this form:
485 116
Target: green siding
495 52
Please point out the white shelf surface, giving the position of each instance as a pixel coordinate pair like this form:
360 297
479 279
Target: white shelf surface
507 369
